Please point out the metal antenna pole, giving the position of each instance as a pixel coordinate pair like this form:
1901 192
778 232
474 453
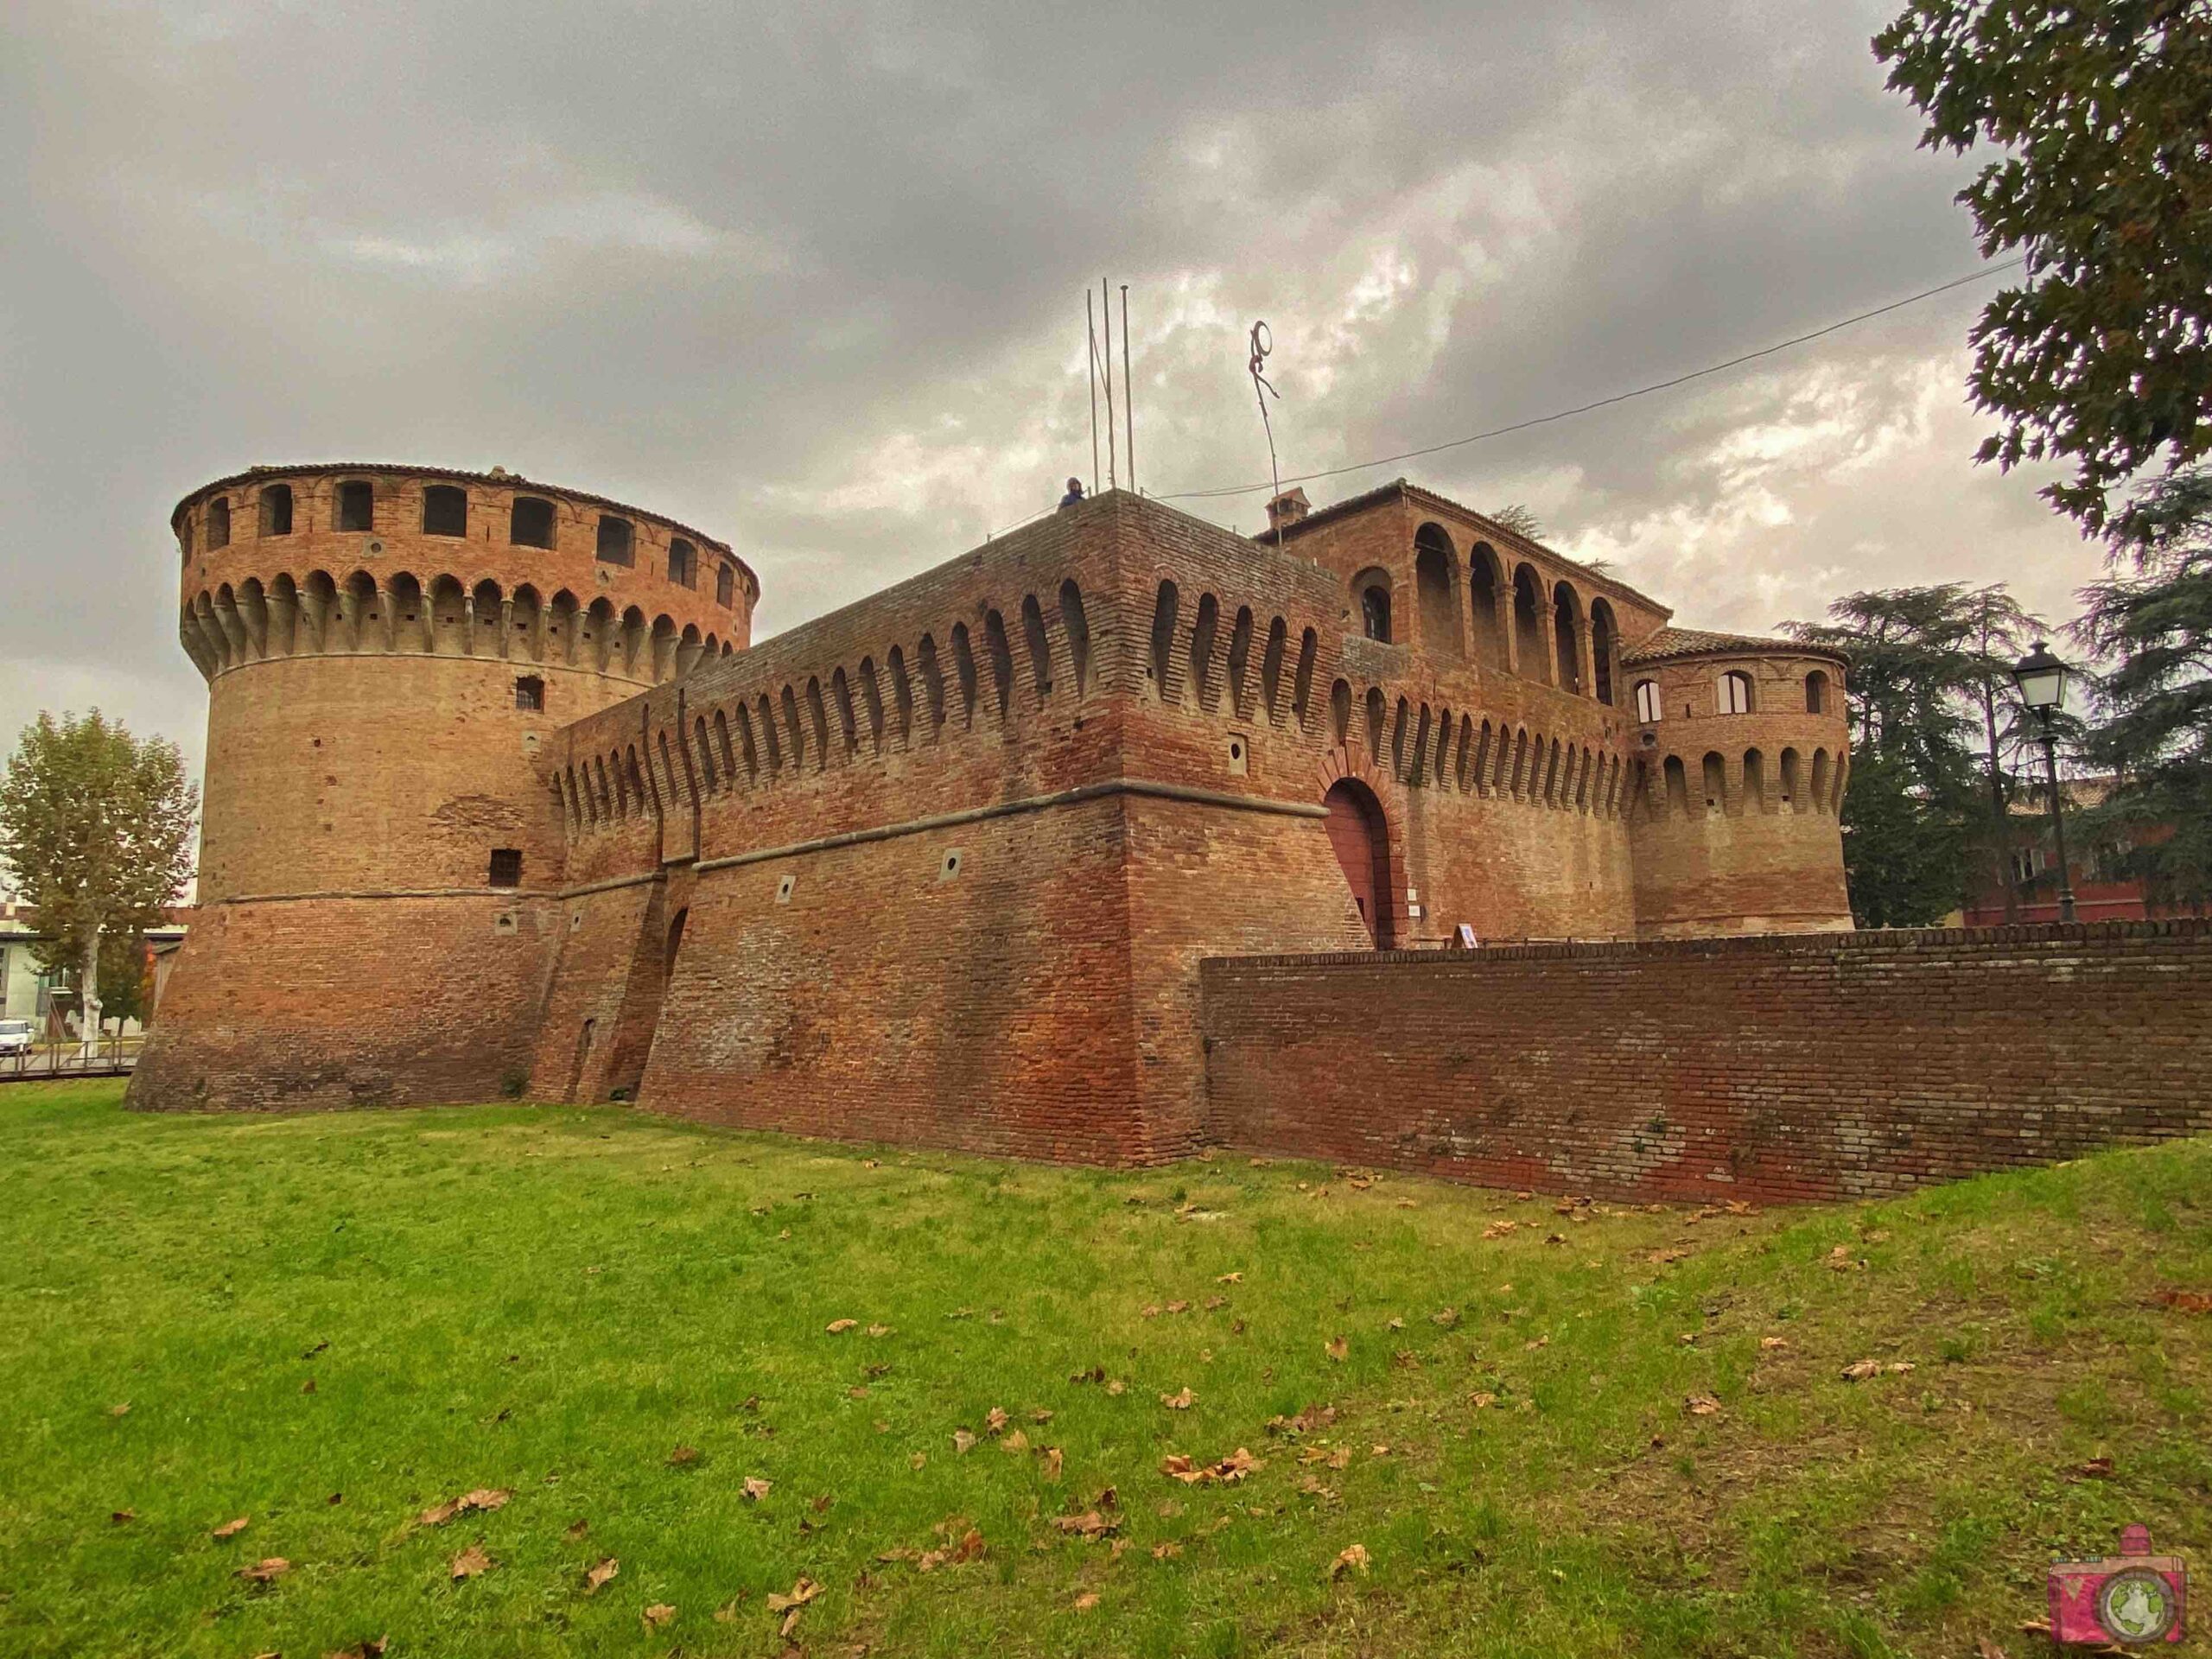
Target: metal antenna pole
1090 333
1263 341
1105 304
1128 388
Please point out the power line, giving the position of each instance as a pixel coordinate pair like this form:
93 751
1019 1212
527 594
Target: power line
1983 275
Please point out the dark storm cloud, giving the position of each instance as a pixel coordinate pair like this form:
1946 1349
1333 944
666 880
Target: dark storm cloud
812 277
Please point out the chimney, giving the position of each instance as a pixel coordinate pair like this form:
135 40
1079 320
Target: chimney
1287 509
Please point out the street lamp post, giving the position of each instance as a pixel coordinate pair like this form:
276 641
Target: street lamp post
2042 679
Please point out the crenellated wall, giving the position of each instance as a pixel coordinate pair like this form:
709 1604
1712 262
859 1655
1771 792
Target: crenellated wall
377 838
1738 832
940 866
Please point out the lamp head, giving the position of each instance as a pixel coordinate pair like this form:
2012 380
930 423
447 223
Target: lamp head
2042 679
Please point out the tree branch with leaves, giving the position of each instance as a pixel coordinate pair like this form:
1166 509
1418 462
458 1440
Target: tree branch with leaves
96 831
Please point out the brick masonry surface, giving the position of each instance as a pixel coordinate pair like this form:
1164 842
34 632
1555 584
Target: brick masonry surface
1809 1066
489 816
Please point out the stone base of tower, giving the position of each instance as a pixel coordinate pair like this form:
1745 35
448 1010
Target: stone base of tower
298 1004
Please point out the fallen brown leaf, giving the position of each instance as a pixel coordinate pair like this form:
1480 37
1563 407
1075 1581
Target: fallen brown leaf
1702 1405
683 1457
1352 1559
1167 1551
1774 1342
121 1517
755 1488
231 1529
879 1330
2095 1469
262 1571
470 1562
1086 1601
1230 1279
1336 1348
1986 1648
360 1651
123 1410
2182 1301
1182 1401
599 1573
838 1327
962 1440
657 1615
1017 1441
577 1530
1090 1524
993 1420
1052 1462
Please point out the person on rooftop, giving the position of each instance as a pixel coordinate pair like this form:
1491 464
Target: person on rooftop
1074 497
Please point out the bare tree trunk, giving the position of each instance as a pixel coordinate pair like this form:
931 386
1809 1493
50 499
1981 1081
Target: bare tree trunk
2001 820
88 998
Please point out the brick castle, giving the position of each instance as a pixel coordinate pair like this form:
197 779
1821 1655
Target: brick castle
500 800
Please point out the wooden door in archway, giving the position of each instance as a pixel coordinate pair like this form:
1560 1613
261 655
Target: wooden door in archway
1361 840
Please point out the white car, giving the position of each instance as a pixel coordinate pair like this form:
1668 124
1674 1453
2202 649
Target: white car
15 1036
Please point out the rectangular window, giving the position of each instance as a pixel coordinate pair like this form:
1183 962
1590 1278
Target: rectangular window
356 506
531 525
680 561
219 522
445 510
726 586
529 694
615 539
506 866
276 509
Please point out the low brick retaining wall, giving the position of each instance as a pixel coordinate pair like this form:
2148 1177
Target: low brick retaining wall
1779 1067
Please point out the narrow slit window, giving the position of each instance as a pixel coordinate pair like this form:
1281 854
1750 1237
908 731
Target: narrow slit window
726 586
219 522
682 562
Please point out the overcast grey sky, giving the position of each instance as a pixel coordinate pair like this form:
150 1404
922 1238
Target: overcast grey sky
812 278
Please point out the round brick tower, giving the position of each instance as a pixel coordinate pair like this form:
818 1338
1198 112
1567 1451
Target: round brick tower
1745 748
386 649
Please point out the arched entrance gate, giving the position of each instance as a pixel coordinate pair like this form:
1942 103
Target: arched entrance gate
1362 841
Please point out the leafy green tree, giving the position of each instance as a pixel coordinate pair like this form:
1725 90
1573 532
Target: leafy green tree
2102 108
1928 666
2152 619
96 828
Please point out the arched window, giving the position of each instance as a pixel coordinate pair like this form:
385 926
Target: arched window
219 522
530 525
1483 583
1439 617
1531 661
616 539
445 510
682 562
1601 649
276 509
1567 637
1375 614
726 586
1647 702
1735 692
357 505
1816 693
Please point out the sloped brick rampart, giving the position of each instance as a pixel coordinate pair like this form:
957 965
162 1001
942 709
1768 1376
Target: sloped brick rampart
1803 1066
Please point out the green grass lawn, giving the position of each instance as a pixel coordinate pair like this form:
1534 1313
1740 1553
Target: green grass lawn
329 1325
